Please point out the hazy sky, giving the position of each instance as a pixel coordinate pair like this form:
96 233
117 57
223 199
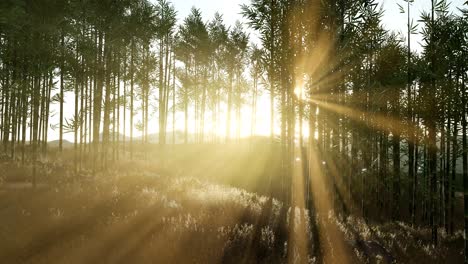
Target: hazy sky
395 21
392 19
230 9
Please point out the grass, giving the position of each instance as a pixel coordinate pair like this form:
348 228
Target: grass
141 213
131 218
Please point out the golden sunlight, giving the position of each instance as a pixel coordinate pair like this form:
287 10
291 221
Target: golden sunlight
151 131
300 92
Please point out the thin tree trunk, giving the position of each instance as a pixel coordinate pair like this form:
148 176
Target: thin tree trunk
62 68
132 76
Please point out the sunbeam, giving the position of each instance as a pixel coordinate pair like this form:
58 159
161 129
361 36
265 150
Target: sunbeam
272 131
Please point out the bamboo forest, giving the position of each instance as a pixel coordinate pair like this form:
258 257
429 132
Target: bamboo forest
243 131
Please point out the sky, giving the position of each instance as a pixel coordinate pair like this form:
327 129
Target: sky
395 21
230 10
392 18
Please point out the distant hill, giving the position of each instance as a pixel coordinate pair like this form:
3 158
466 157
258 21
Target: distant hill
120 136
65 143
154 138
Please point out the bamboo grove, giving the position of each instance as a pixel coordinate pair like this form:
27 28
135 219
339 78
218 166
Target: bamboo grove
388 122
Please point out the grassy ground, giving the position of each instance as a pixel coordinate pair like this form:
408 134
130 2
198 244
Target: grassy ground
148 215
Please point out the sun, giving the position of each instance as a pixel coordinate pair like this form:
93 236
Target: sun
299 92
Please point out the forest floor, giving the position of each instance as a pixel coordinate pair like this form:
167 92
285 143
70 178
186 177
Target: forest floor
146 216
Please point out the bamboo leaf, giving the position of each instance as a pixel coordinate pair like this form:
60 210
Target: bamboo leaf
402 10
